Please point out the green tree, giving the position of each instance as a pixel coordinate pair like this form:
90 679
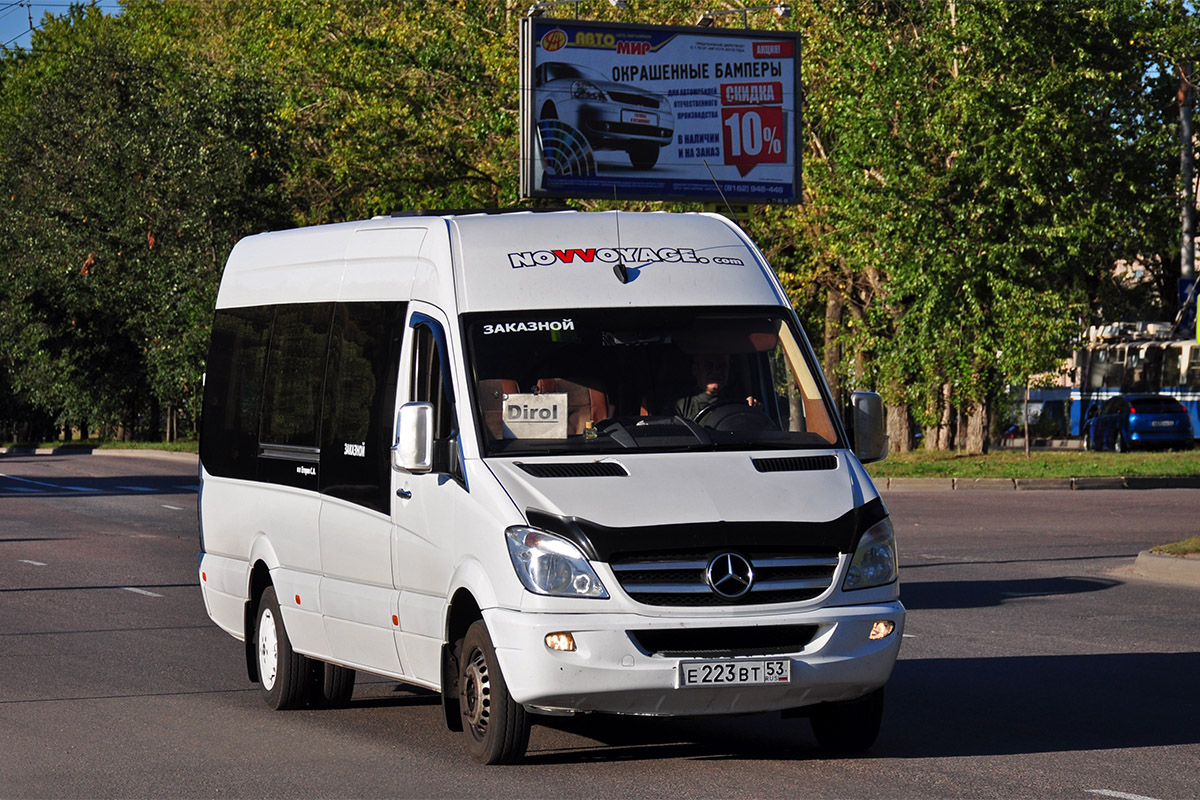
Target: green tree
122 188
964 159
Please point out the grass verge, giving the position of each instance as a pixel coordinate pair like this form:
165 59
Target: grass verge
1187 547
1040 464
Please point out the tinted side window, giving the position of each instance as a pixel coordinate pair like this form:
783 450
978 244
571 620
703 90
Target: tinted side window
428 383
360 398
295 375
233 391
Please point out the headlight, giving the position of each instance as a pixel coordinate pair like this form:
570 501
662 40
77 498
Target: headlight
549 564
586 90
874 562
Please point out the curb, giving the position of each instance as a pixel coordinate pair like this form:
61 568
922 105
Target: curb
1033 484
1169 569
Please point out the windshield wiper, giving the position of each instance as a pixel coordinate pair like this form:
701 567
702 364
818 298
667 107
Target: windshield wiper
636 432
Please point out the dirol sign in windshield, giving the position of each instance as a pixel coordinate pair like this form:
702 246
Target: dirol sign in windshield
659 113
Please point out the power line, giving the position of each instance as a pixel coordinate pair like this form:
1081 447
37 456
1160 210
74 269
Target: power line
29 5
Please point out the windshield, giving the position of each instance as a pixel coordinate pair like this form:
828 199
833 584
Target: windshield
658 379
557 70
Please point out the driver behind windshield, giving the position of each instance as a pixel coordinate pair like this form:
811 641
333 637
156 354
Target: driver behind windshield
711 371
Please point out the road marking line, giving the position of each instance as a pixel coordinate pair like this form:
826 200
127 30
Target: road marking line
1119 795
28 480
136 590
47 485
34 563
173 508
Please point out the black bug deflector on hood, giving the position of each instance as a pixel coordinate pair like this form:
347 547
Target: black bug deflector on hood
602 543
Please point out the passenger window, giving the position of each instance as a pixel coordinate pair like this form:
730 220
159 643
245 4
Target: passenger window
360 396
429 384
295 374
233 394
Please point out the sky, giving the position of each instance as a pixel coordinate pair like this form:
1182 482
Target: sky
15 16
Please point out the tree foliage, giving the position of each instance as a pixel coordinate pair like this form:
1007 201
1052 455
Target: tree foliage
974 167
121 192
973 171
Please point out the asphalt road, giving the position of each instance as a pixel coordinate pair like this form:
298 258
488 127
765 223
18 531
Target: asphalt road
1033 667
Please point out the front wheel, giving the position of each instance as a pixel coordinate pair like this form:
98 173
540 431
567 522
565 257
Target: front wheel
497 729
283 673
849 727
643 155
1121 445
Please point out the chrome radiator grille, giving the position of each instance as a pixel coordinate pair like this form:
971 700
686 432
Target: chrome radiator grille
684 579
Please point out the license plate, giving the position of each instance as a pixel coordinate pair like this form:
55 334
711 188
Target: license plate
1162 423
735 672
638 117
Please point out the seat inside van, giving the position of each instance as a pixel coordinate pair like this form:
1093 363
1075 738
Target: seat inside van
491 399
587 401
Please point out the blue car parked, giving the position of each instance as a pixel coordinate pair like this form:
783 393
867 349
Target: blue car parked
1137 420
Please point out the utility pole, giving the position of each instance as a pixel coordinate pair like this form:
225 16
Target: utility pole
1185 320
1187 261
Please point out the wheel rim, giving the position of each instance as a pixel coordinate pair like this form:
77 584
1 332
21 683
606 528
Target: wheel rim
477 694
268 650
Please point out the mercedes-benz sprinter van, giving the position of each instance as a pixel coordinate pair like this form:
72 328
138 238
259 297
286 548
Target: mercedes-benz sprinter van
545 464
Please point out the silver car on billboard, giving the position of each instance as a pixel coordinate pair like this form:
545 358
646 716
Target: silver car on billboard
611 116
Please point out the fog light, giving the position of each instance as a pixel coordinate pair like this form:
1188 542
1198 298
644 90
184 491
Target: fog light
880 630
563 642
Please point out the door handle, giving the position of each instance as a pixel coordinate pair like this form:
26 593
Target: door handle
404 494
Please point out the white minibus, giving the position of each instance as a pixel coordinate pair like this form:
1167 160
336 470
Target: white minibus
544 464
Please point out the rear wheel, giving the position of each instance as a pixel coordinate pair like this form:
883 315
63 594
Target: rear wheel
282 673
497 729
849 727
331 686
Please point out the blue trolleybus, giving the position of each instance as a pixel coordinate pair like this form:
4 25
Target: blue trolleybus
1135 357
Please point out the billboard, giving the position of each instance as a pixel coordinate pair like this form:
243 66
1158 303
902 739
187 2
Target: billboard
653 112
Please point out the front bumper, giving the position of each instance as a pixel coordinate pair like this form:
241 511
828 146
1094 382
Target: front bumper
604 125
609 673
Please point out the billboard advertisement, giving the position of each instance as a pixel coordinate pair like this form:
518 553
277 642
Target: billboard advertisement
643 112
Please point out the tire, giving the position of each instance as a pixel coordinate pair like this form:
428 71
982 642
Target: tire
283 674
330 686
497 729
850 727
643 156
1120 444
1088 444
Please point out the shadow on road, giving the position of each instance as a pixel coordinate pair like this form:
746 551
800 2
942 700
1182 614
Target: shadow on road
12 486
1039 704
940 708
944 595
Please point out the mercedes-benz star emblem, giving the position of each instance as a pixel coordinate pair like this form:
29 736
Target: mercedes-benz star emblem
730 575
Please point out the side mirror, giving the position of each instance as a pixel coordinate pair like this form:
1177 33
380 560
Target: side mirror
413 451
869 429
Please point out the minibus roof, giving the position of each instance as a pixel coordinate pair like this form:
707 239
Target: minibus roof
604 260
507 262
